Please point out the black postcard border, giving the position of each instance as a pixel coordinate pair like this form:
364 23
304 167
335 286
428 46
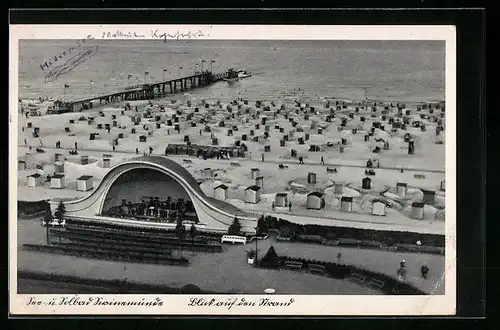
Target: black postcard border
471 129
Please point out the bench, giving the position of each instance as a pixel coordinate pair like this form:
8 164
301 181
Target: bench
331 170
293 264
235 164
360 279
376 284
317 269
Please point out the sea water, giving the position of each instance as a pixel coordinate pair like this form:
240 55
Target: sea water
386 70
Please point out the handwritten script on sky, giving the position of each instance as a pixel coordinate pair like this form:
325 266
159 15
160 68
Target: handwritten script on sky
69 59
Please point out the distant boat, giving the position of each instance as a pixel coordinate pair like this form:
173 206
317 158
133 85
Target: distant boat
234 75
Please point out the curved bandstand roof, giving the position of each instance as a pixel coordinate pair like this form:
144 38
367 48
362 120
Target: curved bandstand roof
217 211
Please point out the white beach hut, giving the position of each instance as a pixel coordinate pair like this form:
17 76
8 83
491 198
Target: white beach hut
106 163
281 200
34 180
429 196
338 188
59 167
21 165
85 183
221 192
252 194
417 210
57 181
259 181
208 172
378 208
346 204
401 189
255 172
315 200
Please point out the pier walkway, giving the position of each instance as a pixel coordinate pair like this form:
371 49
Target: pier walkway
151 90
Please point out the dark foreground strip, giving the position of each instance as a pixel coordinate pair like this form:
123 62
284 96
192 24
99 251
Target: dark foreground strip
108 254
114 286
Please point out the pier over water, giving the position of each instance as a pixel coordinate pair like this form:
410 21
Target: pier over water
145 92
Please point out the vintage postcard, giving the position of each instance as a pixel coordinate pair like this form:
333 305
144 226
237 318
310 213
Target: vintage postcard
232 170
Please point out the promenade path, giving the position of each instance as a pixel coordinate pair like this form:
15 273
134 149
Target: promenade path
255 160
228 271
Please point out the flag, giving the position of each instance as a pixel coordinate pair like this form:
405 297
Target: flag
66 86
91 81
146 73
213 61
39 167
181 68
129 76
164 70
203 61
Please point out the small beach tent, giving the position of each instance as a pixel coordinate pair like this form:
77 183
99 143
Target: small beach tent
255 172
34 180
106 163
429 196
207 172
58 157
252 194
85 183
311 178
366 183
417 210
271 259
378 207
59 167
57 181
442 186
315 200
281 200
259 181
346 204
220 192
21 165
84 160
401 188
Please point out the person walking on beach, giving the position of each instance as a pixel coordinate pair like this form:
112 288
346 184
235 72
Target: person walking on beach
322 160
301 160
114 147
25 142
76 145
262 157
150 150
136 151
200 132
339 257
273 206
289 206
